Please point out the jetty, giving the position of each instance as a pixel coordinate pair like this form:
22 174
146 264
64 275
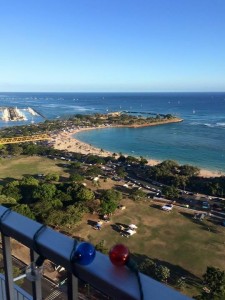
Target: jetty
16 114
32 111
35 112
12 114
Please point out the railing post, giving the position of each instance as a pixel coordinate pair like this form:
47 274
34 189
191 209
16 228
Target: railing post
72 287
7 258
36 285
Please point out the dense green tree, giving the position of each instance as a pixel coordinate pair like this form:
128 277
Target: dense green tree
137 194
71 216
14 149
65 198
170 192
94 159
93 171
75 165
122 158
56 218
148 267
52 177
3 150
12 190
78 156
111 194
214 280
189 171
181 181
27 185
214 188
30 181
43 208
108 207
24 210
121 172
131 159
84 194
46 191
143 161
56 203
110 200
72 189
76 177
162 273
168 116
7 201
30 149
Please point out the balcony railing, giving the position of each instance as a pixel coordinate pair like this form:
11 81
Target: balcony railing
118 283
19 294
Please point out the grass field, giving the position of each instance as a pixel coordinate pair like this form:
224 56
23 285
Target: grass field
174 238
32 165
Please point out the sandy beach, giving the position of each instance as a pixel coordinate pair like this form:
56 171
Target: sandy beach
65 141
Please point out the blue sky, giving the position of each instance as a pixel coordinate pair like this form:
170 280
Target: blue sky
112 45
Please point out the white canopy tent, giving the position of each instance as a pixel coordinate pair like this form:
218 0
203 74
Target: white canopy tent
130 232
132 226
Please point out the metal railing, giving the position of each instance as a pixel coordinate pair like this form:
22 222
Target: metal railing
19 294
118 283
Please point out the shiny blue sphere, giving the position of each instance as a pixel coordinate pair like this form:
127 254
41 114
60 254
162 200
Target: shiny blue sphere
84 254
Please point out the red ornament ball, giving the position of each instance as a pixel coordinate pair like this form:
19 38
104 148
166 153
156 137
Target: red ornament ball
119 255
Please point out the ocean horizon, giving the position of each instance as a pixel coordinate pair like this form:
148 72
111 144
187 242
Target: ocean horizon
198 140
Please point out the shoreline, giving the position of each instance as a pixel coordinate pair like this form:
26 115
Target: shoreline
65 140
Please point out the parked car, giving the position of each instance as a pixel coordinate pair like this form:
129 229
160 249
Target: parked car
167 207
205 205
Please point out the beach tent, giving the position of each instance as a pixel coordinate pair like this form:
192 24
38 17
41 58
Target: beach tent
130 231
132 226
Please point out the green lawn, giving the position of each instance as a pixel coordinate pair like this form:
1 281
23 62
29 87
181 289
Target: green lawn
170 238
29 165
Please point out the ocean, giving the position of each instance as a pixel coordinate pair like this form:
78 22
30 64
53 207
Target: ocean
198 140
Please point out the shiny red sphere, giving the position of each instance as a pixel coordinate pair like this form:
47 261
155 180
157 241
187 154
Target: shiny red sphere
119 255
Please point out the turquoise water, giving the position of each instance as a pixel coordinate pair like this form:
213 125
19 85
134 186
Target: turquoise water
160 142
198 140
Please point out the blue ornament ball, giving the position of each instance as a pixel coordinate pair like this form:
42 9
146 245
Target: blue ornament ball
84 254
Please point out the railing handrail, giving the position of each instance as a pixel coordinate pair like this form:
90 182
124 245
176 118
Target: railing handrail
17 289
119 283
